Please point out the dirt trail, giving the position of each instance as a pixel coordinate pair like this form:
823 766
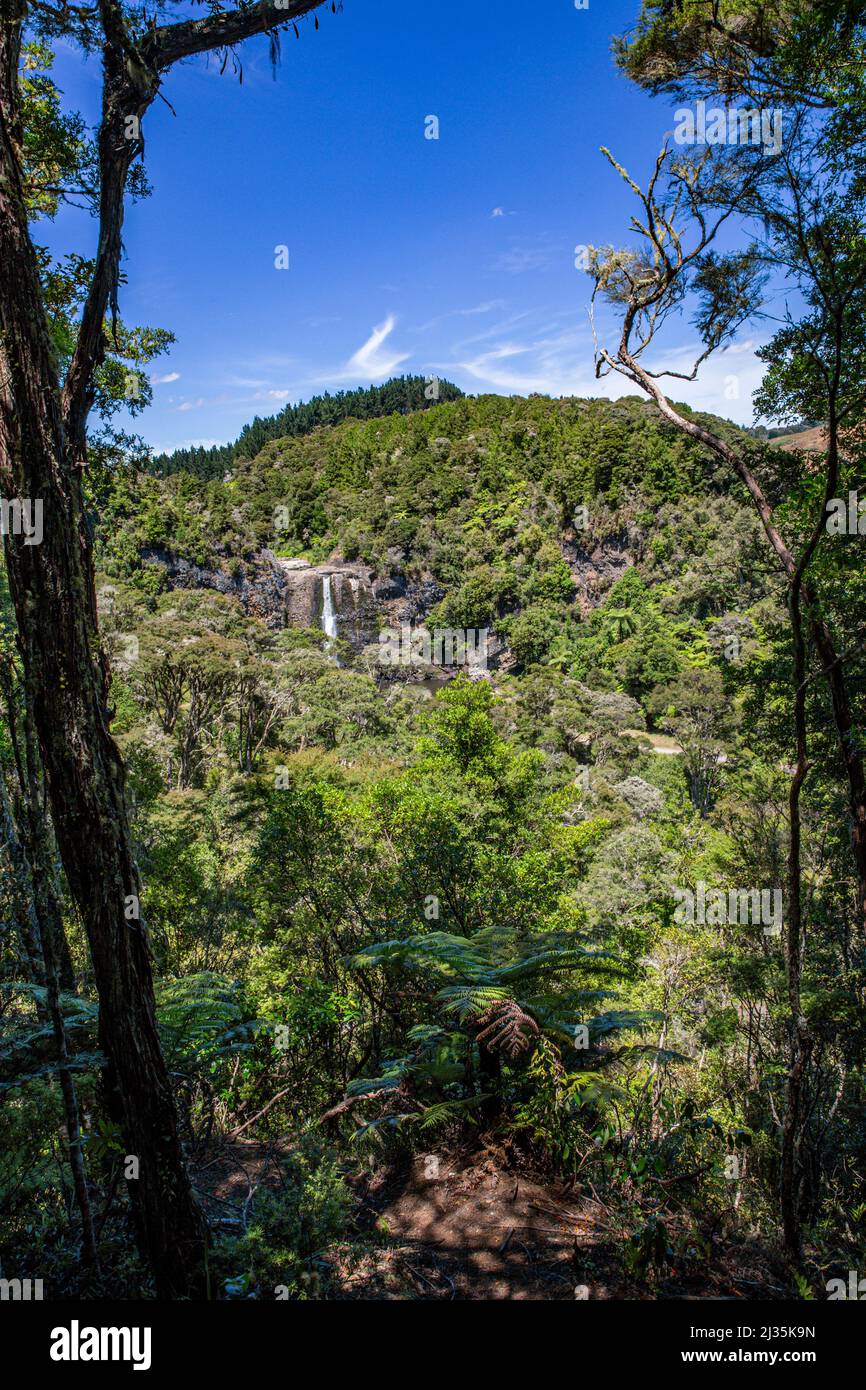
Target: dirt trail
476 1230
484 1226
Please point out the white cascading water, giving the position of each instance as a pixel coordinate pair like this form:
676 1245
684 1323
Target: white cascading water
329 616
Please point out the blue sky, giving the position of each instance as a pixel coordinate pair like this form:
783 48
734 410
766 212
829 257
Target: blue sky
452 257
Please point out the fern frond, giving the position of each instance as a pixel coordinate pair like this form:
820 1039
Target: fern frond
469 1002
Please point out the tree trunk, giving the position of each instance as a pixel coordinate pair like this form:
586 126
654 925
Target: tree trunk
39 947
800 1041
35 832
70 1097
19 887
490 1078
66 681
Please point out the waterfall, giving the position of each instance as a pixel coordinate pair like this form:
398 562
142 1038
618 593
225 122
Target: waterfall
329 616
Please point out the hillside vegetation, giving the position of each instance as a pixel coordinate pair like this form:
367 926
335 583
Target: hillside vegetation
432 919
399 394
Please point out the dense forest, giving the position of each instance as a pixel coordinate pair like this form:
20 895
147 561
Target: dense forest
400 394
338 964
347 880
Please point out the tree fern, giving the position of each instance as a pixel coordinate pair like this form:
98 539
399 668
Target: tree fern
499 995
201 1019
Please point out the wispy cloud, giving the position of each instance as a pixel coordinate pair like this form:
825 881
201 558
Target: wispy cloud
557 360
372 359
164 380
246 383
376 359
725 383
488 307
525 256
496 331
185 444
555 366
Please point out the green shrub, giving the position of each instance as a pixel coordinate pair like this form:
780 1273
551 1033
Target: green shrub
279 1253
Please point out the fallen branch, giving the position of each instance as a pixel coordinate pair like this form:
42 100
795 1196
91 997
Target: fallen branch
233 1134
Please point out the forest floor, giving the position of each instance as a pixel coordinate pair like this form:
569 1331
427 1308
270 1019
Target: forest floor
482 1225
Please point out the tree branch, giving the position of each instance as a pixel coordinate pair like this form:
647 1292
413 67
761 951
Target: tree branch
130 83
171 42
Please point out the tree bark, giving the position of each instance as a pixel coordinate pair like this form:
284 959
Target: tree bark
800 1040
43 447
65 681
34 830
19 888
36 934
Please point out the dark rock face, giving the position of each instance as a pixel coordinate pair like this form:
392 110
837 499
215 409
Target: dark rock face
412 602
303 593
392 586
355 604
290 593
258 584
352 593
596 564
363 602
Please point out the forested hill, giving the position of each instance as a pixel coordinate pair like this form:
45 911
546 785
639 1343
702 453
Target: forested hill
332 846
532 518
433 826
479 486
517 515
400 394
